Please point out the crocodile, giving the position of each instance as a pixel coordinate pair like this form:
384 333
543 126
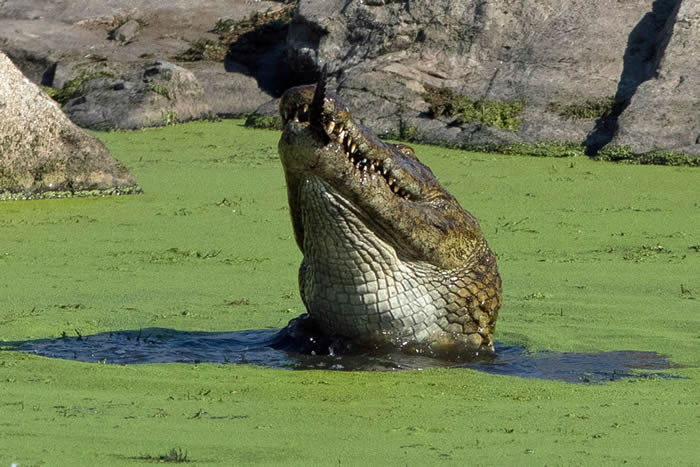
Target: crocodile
389 255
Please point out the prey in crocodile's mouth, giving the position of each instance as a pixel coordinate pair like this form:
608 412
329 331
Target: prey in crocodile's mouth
340 130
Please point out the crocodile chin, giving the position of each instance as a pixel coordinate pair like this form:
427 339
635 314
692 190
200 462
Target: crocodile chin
389 254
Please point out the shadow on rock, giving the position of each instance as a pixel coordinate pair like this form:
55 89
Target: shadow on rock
645 48
258 48
271 348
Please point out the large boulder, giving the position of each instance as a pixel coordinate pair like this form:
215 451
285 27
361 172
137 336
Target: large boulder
158 94
664 113
501 72
589 75
103 51
42 153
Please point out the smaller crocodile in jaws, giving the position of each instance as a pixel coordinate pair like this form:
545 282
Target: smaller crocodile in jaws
389 254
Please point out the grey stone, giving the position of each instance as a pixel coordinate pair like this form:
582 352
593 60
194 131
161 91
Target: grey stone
58 41
160 93
43 152
384 56
270 108
126 32
664 113
231 92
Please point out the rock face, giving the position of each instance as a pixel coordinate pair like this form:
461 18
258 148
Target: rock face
105 50
160 94
664 113
588 75
42 153
569 66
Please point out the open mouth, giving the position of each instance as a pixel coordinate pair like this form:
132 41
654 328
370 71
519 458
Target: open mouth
338 132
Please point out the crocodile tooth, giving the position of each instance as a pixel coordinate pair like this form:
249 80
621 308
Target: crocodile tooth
348 141
296 117
385 171
391 181
341 135
341 128
330 127
306 108
396 188
353 148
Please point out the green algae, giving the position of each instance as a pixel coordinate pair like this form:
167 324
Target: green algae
594 257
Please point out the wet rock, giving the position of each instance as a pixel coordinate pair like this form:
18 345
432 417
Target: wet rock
42 153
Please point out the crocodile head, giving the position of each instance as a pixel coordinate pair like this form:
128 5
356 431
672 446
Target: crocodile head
388 252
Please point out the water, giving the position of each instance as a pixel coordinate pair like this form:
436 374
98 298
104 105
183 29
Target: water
264 348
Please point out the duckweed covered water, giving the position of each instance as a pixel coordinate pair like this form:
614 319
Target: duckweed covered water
595 258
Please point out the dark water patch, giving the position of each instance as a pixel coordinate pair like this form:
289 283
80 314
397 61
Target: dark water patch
258 347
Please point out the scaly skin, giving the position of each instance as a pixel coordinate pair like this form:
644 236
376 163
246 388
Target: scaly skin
389 254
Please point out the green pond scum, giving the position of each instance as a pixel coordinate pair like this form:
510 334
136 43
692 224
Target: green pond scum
594 256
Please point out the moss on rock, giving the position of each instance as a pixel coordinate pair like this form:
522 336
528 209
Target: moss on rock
73 88
58 194
159 89
625 154
590 109
539 149
266 122
259 27
499 114
203 49
545 149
